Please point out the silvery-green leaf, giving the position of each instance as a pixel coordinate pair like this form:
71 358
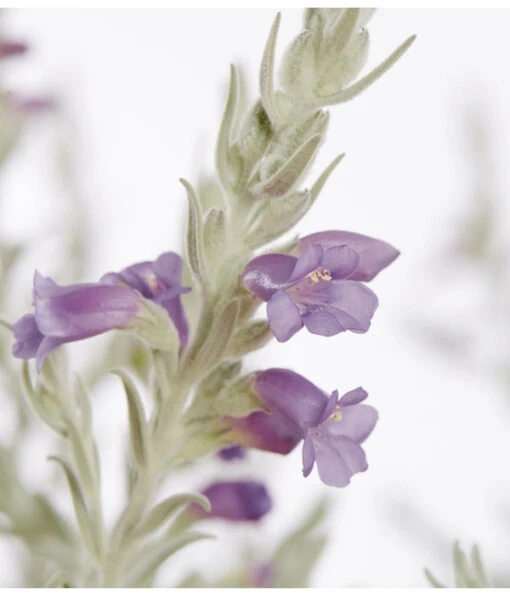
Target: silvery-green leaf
54 375
163 511
210 193
336 74
83 402
83 464
138 430
194 236
433 580
291 172
267 92
224 162
214 235
359 86
80 507
298 68
477 565
280 215
219 377
323 178
153 326
341 31
216 344
43 403
143 572
238 399
249 338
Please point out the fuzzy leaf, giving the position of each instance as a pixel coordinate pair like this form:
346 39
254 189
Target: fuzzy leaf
267 91
365 82
194 236
138 430
163 511
143 572
80 507
323 178
217 341
214 234
249 338
238 399
223 161
289 174
433 580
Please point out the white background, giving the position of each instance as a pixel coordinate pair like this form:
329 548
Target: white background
144 90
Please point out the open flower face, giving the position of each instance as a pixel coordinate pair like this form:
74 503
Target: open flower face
332 429
313 290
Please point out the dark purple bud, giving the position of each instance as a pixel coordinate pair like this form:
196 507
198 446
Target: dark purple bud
33 105
232 453
161 282
332 429
236 501
12 48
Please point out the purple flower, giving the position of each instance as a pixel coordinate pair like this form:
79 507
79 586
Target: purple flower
236 501
12 48
332 429
312 290
232 453
374 255
66 314
159 281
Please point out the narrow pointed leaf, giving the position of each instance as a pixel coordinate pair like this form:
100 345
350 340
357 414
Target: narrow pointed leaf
287 176
217 341
323 178
358 87
80 507
194 252
214 234
160 554
249 338
433 580
477 564
138 430
163 511
267 91
225 133
344 30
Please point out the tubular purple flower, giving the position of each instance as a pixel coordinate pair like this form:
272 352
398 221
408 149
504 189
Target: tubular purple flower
236 501
159 281
332 429
72 313
313 290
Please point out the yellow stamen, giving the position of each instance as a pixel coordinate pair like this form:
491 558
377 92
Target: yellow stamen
318 274
336 415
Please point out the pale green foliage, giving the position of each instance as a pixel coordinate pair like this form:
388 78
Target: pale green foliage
469 573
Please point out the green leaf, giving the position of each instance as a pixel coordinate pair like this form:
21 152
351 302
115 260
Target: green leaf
266 78
249 338
83 402
477 564
289 174
214 235
365 82
323 178
80 507
163 511
238 399
216 344
433 580
194 236
223 160
142 573
342 32
137 422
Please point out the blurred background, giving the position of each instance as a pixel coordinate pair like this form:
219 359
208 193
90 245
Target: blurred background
138 98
